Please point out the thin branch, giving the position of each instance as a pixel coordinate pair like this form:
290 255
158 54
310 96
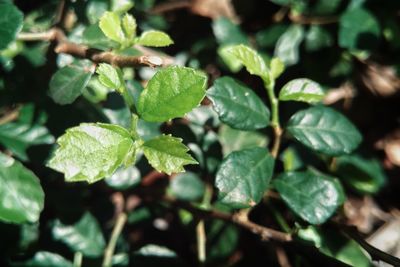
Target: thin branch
300 19
170 6
201 242
9 116
109 252
282 257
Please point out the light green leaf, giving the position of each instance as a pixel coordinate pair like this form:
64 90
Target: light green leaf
171 93
121 6
110 24
287 47
21 196
93 36
84 236
92 151
237 105
167 154
108 76
254 64
230 60
228 33
362 174
311 196
303 90
44 259
187 186
277 67
129 26
324 130
154 38
10 23
244 176
68 82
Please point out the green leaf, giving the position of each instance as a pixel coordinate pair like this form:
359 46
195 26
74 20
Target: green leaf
229 60
10 23
95 9
362 174
21 196
110 24
237 105
92 151
253 62
268 37
244 176
311 196
317 38
324 130
68 82
94 37
287 47
44 259
84 236
154 38
171 93
228 33
187 186
129 26
277 67
167 154
358 29
303 90
124 178
121 6
222 239
234 140
108 76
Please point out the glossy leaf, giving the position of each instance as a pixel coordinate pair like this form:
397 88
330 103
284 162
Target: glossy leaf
187 186
10 23
108 76
84 236
124 178
154 38
167 154
110 24
92 151
248 57
171 93
304 90
311 196
44 259
287 47
68 83
237 105
244 176
324 130
21 196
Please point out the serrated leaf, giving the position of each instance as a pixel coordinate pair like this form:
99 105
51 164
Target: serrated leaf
303 90
10 23
311 196
154 38
92 151
110 24
244 176
287 47
171 93
248 57
187 186
21 196
68 83
108 76
84 236
44 259
324 130
237 105
129 26
167 154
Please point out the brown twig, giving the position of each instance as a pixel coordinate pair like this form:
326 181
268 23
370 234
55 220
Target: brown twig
9 116
300 19
170 6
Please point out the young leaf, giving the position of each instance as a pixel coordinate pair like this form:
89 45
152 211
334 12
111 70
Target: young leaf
21 196
287 47
237 105
84 236
154 38
277 67
44 259
244 176
304 90
110 24
324 130
10 23
171 93
68 82
311 196
254 64
108 76
129 26
92 151
167 154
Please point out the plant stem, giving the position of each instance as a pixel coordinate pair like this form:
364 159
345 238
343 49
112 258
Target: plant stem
78 259
109 252
274 118
129 100
201 241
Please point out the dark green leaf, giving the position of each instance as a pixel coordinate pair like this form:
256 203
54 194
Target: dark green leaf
228 33
268 37
21 196
10 23
124 178
187 186
304 90
311 196
222 240
84 236
287 47
244 176
44 259
237 105
324 130
171 93
317 38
